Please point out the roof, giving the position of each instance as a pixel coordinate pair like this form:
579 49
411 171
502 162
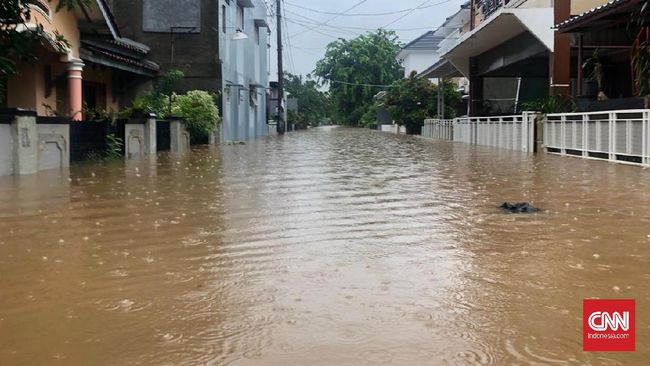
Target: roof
117 55
603 13
426 42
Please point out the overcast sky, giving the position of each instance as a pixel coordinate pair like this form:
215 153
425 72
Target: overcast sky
308 45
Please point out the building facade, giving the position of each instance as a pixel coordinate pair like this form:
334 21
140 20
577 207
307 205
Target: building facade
90 74
245 68
221 47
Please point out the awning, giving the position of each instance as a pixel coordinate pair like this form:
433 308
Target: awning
261 23
246 3
118 55
441 69
611 13
505 24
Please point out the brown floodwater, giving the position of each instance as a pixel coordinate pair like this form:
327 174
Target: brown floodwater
326 247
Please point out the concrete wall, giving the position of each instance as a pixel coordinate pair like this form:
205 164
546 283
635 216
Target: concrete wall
53 146
134 140
6 150
245 71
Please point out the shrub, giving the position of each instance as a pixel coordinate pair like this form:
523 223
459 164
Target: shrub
200 111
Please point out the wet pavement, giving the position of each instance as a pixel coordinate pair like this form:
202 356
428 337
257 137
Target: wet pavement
327 247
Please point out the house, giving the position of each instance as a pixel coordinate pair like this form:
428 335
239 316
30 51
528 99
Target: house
220 45
418 54
505 51
603 40
451 29
90 74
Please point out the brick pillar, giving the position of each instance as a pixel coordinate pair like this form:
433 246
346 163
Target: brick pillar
75 89
560 59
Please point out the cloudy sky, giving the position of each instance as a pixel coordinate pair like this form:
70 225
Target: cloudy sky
312 24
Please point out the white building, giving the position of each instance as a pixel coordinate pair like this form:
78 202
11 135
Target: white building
244 55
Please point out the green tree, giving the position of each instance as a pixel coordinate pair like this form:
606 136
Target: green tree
355 70
412 100
313 106
200 111
18 42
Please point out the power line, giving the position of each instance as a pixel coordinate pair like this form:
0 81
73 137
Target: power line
288 39
356 28
414 9
334 17
367 14
359 84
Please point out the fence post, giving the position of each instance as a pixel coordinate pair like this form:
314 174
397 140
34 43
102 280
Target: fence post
25 146
150 126
525 131
612 136
563 135
179 137
585 135
646 138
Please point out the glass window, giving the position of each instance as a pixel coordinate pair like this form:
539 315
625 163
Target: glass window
223 18
240 17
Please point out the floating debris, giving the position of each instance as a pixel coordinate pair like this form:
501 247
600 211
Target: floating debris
521 207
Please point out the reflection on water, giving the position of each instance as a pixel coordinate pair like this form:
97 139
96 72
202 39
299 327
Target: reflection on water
328 247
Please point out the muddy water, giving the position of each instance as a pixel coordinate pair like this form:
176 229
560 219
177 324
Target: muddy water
328 247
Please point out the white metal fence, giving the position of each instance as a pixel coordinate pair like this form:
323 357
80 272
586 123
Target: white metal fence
507 132
440 129
621 136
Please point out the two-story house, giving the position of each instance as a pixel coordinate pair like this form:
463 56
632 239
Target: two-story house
97 67
221 46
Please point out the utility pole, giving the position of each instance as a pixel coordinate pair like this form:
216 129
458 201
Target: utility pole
281 127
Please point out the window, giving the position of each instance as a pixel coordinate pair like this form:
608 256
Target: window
240 17
41 7
257 35
253 96
224 18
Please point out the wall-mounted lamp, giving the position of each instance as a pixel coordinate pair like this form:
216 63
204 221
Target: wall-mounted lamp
239 35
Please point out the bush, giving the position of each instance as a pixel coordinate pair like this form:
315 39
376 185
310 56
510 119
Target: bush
200 111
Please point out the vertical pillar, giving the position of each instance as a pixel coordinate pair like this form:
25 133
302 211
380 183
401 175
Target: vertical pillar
150 134
179 136
75 90
475 88
25 146
560 59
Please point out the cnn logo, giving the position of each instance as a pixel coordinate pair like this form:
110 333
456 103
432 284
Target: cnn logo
602 321
609 325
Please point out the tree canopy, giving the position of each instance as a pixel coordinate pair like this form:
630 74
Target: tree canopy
313 104
412 100
356 69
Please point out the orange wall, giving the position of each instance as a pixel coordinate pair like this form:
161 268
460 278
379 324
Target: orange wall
28 88
64 22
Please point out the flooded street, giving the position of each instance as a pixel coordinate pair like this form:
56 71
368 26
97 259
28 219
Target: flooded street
325 247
